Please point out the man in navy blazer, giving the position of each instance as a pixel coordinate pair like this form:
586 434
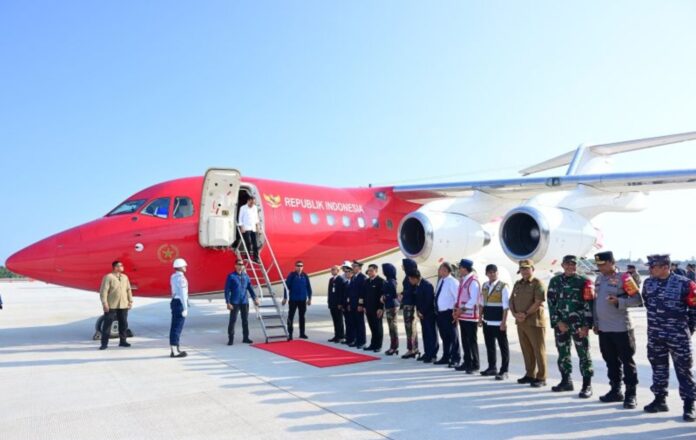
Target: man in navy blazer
237 286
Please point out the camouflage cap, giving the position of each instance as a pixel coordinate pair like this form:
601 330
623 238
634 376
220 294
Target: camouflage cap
658 259
570 259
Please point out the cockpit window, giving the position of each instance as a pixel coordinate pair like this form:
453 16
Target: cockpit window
157 208
127 207
183 207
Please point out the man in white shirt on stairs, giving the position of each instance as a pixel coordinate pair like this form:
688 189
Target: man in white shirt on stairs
249 223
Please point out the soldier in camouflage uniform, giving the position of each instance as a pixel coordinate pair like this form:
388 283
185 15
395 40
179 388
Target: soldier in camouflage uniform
670 300
571 319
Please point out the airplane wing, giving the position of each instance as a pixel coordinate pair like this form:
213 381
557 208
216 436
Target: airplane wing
524 188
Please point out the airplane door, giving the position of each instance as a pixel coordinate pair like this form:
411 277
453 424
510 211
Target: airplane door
217 223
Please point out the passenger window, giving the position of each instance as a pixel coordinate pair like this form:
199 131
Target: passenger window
361 222
127 207
157 208
183 207
330 219
390 224
314 218
296 217
346 221
375 223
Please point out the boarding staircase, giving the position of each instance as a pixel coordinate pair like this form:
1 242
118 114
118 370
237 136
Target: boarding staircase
270 313
586 268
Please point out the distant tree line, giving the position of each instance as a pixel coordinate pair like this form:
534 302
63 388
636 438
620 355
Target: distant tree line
4 273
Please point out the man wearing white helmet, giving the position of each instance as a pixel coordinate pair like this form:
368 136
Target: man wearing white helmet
179 306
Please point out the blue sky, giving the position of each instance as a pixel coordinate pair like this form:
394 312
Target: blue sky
101 99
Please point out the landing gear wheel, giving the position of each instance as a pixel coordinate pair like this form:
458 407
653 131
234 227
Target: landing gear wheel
114 329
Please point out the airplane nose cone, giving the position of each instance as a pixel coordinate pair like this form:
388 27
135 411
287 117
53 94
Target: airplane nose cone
35 261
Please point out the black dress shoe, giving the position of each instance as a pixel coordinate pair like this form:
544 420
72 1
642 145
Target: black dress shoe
360 346
124 344
461 367
341 341
489 372
537 383
290 338
442 361
377 350
304 337
409 355
525 380
428 360
420 358
350 344
501 376
248 341
332 340
368 348
230 342
103 347
452 365
181 354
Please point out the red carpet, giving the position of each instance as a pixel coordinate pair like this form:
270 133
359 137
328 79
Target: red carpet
317 355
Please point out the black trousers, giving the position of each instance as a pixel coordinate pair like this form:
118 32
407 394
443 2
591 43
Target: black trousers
238 309
430 343
114 314
337 318
350 326
300 306
357 328
617 350
493 334
469 331
376 328
251 243
448 334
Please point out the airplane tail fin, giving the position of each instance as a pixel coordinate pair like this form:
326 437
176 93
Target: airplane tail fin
581 159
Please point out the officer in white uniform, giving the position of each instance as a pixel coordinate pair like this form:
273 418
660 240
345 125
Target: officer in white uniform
179 306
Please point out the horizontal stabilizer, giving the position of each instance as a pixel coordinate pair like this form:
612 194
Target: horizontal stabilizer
610 149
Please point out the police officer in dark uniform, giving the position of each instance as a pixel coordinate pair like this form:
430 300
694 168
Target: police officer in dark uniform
355 300
614 295
337 288
374 308
670 300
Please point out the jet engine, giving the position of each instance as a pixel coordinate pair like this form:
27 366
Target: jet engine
545 234
433 235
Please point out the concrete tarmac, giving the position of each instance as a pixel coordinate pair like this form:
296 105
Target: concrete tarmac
56 384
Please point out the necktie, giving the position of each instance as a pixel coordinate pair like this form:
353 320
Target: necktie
437 295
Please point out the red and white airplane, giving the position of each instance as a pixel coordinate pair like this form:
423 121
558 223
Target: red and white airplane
499 221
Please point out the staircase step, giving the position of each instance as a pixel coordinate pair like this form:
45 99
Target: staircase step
274 326
276 337
273 316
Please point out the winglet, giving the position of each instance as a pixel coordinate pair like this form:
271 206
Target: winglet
610 149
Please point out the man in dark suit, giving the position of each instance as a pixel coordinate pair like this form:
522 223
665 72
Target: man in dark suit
425 307
374 307
337 287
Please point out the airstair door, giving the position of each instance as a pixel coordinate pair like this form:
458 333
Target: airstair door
217 223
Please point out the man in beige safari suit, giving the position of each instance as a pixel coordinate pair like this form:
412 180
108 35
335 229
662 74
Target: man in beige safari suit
116 298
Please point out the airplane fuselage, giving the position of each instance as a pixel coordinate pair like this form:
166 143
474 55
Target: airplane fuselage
319 225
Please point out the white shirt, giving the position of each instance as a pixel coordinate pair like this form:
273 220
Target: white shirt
249 217
505 293
179 285
448 295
